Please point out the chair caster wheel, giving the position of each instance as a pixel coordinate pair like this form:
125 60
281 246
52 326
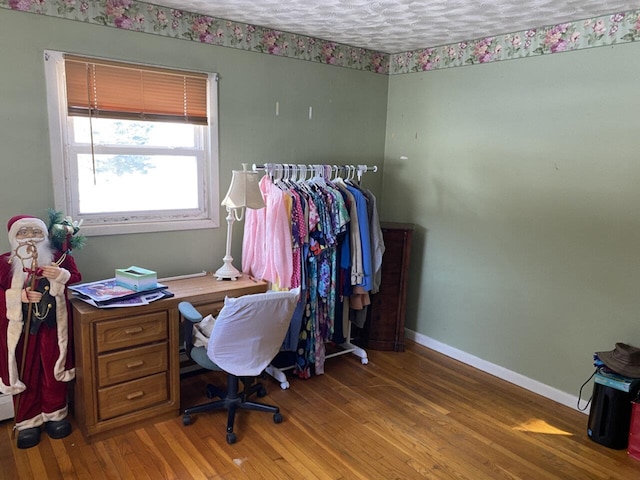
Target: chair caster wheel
277 417
186 419
262 392
231 438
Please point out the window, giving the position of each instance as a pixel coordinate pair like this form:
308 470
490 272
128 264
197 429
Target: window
134 148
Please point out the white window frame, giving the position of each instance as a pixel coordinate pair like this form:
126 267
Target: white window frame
66 196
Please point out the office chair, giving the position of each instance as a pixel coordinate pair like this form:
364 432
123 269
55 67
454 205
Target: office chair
246 336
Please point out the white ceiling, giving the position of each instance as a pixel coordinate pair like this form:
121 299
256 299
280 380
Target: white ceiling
394 26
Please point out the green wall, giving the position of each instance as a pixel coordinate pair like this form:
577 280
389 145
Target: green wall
348 126
522 179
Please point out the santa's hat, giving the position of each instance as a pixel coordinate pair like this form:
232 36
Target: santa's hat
16 223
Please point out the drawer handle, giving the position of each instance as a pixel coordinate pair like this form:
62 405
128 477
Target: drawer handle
139 363
134 395
131 331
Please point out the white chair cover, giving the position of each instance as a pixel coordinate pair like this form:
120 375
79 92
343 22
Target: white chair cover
249 331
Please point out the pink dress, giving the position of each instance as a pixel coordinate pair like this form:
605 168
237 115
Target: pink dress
267 248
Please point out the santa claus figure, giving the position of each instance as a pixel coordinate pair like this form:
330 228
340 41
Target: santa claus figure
36 349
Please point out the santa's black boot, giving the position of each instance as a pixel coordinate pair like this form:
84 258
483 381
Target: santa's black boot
29 437
58 428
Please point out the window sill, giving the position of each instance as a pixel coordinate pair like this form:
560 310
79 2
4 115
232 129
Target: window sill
146 227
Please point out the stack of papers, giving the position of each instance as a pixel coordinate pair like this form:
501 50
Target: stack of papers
108 294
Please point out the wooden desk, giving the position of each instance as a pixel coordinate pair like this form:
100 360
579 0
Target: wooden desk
127 359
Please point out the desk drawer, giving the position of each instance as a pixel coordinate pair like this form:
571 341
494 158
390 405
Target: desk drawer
131 331
132 396
118 367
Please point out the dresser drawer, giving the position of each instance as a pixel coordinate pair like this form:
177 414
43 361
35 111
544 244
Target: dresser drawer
132 396
118 367
130 331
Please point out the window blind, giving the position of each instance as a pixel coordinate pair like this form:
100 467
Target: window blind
102 88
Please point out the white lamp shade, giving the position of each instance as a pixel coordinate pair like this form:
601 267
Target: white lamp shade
244 190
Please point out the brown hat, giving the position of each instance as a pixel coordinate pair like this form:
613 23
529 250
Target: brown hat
624 360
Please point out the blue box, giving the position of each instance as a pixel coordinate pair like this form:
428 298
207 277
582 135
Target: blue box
136 278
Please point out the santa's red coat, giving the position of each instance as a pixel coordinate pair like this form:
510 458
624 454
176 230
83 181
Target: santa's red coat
49 360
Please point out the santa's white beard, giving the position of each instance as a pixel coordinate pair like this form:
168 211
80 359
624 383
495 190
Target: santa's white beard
45 257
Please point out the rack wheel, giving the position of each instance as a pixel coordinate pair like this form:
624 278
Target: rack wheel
277 417
231 438
186 419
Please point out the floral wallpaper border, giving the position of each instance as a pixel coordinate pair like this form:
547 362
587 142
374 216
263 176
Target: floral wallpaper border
143 17
167 22
594 32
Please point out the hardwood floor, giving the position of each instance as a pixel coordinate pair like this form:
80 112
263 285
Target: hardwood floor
416 414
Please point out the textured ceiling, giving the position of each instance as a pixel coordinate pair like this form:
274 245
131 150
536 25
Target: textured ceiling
394 26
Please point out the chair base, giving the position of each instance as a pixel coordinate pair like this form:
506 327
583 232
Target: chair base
232 400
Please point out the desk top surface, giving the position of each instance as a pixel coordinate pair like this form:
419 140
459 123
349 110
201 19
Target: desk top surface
207 284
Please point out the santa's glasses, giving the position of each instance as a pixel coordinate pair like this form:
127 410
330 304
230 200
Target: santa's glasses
29 232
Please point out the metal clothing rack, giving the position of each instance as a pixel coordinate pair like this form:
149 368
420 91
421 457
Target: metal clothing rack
298 172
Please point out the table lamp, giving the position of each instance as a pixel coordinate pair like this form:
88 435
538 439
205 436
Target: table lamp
244 192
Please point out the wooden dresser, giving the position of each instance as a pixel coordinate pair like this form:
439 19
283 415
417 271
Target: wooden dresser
127 359
384 329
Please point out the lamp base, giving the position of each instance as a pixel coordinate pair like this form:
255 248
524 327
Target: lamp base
227 271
